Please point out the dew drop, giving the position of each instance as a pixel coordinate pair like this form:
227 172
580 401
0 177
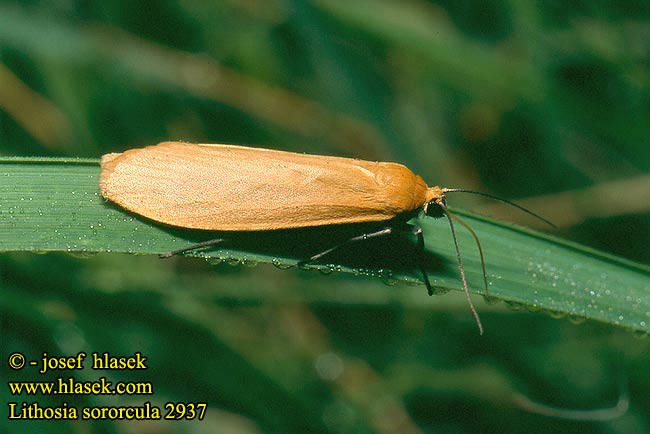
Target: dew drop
214 260
533 307
514 305
248 263
233 261
303 266
555 313
280 264
576 318
387 278
491 300
327 269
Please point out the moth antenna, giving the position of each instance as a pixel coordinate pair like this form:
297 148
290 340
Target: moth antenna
462 269
499 199
478 244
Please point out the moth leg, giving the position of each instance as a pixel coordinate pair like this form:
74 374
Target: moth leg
381 233
191 247
417 231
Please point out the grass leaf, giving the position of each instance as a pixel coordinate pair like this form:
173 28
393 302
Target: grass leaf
54 205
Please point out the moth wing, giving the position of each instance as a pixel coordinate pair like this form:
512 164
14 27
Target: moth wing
236 188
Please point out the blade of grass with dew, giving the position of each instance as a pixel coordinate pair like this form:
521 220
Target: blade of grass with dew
54 205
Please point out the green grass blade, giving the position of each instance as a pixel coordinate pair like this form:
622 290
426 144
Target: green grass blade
55 205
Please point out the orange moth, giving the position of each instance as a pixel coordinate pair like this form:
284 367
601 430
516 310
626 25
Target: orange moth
236 188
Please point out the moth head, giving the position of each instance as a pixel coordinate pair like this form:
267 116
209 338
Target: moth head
435 203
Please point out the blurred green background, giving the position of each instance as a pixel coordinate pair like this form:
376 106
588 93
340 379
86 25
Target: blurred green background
545 103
